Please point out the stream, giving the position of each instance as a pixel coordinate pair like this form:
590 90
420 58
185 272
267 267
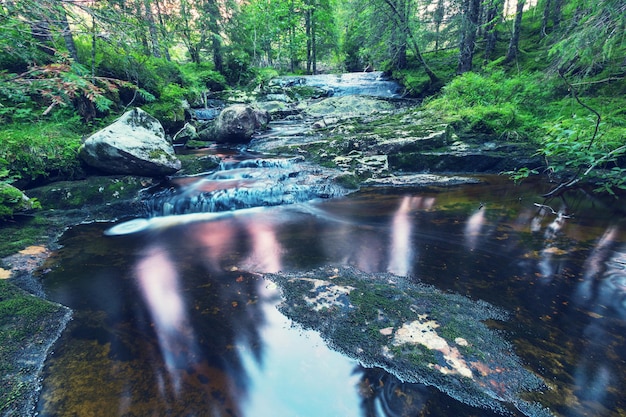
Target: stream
174 314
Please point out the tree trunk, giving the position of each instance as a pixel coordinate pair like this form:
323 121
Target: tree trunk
547 11
404 25
218 58
313 43
493 16
307 27
513 50
67 34
152 29
471 11
438 16
141 35
398 39
164 33
557 12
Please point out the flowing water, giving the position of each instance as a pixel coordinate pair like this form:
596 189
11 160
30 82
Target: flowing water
373 84
173 315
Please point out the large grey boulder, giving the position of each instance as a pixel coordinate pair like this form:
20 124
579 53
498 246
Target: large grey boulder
237 123
134 144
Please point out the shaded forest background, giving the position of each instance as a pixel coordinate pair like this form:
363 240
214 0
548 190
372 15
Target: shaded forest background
550 72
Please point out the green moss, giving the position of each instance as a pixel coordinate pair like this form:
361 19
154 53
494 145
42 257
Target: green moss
31 151
349 181
23 231
192 164
26 325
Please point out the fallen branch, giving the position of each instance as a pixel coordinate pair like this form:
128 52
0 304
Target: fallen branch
556 213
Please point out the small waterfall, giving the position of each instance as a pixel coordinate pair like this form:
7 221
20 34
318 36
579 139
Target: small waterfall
372 84
244 184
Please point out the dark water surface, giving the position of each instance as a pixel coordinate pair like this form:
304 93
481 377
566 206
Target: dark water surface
178 320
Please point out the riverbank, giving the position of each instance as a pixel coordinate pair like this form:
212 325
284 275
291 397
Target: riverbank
31 324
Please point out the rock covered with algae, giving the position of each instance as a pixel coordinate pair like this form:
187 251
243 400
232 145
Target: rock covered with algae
414 331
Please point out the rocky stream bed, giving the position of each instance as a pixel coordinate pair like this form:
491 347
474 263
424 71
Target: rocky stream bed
345 141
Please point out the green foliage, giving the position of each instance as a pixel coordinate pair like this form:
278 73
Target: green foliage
237 68
138 71
569 149
595 41
496 103
169 108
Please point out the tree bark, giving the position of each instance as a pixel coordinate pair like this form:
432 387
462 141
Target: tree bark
493 16
67 33
398 39
547 11
471 11
513 50
164 34
152 29
307 30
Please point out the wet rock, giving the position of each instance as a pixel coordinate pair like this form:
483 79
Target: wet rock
414 331
365 166
187 133
134 144
237 123
432 138
348 106
472 159
423 180
95 197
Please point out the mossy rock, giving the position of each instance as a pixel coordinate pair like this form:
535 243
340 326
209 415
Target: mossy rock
92 191
13 200
30 325
193 164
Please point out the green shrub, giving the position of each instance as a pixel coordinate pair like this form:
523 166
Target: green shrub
497 103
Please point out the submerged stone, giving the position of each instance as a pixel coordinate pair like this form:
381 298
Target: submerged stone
414 331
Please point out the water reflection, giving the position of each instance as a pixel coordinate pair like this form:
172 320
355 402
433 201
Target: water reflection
473 228
159 286
178 320
297 375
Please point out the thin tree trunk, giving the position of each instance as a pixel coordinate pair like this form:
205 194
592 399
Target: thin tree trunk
547 11
152 29
313 42
513 50
164 33
67 33
404 24
557 12
438 16
398 39
218 58
307 26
